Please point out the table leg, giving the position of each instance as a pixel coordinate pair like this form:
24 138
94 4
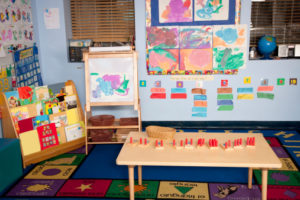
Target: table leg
264 183
250 175
140 175
131 181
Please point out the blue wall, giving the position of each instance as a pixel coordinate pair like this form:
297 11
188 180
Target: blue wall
55 68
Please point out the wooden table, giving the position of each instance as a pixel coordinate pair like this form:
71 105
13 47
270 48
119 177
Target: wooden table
261 156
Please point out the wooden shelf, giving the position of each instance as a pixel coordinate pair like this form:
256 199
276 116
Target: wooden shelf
53 151
116 125
9 131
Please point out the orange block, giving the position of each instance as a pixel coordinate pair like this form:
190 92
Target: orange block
158 90
199 103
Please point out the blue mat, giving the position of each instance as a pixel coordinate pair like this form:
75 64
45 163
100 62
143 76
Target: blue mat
101 163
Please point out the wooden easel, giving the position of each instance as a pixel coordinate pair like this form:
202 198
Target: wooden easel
133 101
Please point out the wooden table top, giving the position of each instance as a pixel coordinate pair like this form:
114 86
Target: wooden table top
261 156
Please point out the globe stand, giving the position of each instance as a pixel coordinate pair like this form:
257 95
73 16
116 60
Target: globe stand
267 57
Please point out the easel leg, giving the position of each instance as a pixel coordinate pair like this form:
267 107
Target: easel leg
140 175
131 181
250 175
264 183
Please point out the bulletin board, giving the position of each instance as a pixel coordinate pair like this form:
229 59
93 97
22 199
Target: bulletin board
194 37
16 32
27 67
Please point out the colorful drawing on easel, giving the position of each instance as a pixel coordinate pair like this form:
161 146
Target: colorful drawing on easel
230 36
210 10
160 60
162 37
175 11
195 37
228 58
109 86
196 59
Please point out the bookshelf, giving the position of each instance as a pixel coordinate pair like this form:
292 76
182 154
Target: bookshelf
11 127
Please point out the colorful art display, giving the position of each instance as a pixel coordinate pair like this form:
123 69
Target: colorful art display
182 38
192 12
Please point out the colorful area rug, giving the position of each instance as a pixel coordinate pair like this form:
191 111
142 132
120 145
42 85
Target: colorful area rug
71 176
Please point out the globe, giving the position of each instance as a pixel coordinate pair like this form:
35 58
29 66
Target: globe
266 45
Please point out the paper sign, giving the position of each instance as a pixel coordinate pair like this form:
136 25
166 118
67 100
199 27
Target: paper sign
158 90
225 108
265 95
224 96
265 88
51 18
224 90
200 103
245 96
158 96
198 91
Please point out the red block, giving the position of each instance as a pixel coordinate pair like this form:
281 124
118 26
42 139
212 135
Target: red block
178 96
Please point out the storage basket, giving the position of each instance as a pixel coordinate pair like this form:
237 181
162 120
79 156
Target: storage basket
101 135
160 132
102 120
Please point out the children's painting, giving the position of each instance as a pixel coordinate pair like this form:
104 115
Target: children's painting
196 59
107 86
230 36
195 37
160 60
175 11
211 10
162 37
229 58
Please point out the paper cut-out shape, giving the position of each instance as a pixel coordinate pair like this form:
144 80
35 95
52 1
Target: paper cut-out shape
225 108
199 103
280 81
178 96
179 84
245 96
265 88
198 91
143 83
224 90
158 90
247 80
157 84
262 95
224 83
158 96
200 97
264 82
293 81
224 96
245 90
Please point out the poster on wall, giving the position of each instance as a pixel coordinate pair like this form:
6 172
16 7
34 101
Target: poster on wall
184 38
28 72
